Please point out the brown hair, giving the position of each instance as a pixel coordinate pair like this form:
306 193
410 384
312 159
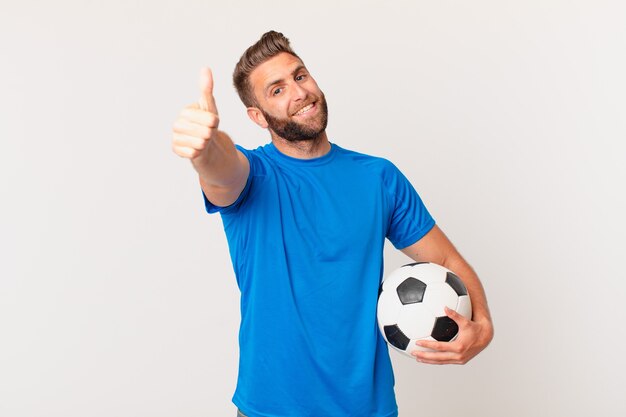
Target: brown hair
271 44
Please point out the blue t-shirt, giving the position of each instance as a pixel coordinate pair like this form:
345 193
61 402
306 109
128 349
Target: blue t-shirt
306 241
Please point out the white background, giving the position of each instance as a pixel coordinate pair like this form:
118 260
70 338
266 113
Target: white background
117 296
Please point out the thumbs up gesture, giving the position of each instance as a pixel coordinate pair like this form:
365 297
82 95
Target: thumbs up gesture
207 102
196 125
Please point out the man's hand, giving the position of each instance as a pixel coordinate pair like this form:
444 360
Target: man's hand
197 123
473 337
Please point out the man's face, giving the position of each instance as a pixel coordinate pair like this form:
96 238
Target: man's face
288 97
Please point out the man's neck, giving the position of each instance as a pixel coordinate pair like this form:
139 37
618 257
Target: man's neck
304 149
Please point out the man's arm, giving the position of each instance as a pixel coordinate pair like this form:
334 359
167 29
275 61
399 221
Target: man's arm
223 170
475 334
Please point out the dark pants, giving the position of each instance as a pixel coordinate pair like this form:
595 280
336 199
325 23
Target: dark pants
240 414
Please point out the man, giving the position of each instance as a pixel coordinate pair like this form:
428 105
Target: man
306 222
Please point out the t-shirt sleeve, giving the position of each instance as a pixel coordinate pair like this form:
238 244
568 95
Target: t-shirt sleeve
409 219
212 208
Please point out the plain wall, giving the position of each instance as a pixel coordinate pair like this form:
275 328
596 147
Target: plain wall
117 296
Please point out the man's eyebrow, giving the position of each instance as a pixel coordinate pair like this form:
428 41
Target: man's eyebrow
293 74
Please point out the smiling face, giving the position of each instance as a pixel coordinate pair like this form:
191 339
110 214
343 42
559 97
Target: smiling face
289 101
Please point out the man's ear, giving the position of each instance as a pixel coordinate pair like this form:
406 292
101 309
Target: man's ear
256 115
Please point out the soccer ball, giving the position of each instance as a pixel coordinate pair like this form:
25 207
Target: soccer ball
411 303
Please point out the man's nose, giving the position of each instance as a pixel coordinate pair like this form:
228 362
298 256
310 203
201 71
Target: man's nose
299 93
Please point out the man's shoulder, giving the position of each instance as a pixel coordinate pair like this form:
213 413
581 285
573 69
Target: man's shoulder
373 162
252 151
258 157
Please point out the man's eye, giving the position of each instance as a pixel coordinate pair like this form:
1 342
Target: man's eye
277 91
300 77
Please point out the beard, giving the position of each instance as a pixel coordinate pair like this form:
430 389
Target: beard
297 132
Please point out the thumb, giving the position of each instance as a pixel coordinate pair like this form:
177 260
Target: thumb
207 101
456 316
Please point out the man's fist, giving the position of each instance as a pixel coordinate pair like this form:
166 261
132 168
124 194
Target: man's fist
197 123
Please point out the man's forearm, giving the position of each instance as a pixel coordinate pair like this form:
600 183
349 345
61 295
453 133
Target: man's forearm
480 309
219 165
223 171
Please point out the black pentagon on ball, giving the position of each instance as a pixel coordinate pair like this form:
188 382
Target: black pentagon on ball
445 329
395 336
456 284
411 291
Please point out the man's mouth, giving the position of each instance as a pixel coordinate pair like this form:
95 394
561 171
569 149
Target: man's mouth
304 110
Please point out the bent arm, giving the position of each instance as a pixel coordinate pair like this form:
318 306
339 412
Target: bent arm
436 247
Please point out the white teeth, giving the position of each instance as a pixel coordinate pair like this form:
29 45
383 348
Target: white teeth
305 109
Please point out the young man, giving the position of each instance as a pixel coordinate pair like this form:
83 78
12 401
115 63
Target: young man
306 222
